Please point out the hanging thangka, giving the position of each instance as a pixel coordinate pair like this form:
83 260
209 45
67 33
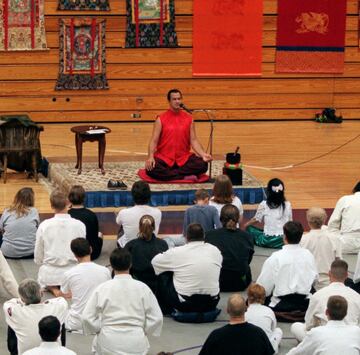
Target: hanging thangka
82 55
84 5
22 25
150 23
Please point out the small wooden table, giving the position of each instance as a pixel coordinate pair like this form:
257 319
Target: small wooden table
90 133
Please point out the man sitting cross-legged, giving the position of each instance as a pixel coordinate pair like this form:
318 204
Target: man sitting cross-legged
334 338
189 280
315 314
289 274
80 281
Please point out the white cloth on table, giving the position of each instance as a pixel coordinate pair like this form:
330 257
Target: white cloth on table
81 280
196 267
49 348
287 271
24 319
129 219
122 312
52 247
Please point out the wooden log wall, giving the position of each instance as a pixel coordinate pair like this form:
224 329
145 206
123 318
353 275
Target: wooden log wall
140 78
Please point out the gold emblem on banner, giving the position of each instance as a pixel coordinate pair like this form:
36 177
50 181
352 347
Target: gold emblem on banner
313 22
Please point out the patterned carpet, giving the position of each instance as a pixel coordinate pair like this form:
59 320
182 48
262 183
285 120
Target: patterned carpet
64 175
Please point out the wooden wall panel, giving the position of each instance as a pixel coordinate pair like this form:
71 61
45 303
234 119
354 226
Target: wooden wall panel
140 78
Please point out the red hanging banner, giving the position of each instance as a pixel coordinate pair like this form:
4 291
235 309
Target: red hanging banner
227 37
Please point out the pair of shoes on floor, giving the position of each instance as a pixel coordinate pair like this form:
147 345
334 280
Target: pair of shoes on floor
116 185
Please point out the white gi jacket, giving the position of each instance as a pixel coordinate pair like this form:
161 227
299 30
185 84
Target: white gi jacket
7 279
334 338
122 312
287 271
49 348
345 222
24 319
52 247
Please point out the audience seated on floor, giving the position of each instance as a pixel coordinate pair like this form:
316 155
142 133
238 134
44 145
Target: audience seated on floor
80 281
142 250
49 331
239 336
88 217
321 244
345 222
271 214
18 226
122 312
52 247
262 316
23 314
189 280
223 194
237 249
288 275
334 338
315 314
8 284
128 218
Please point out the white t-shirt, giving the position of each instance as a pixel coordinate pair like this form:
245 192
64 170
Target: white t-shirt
236 202
273 218
49 348
129 219
82 280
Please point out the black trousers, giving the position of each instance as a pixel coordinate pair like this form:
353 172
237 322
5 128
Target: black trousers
290 303
233 281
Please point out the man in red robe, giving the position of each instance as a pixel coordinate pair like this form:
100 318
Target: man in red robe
169 155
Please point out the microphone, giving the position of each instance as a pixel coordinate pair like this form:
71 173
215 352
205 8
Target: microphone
185 108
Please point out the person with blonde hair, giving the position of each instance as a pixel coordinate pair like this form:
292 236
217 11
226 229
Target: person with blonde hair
223 194
18 225
321 244
262 316
143 249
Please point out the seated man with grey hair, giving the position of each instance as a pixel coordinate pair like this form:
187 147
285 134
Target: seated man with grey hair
335 337
23 314
239 336
324 246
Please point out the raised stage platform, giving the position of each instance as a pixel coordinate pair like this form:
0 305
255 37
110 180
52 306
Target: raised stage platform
64 175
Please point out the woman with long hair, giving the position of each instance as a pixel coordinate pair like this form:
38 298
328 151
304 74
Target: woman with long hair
271 214
19 224
143 249
223 194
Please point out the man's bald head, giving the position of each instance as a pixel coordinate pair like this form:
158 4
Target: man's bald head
236 306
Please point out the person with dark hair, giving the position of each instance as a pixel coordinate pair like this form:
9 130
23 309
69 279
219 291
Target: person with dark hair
88 217
344 222
288 275
237 249
262 316
142 250
80 281
169 155
49 330
271 215
128 218
52 246
18 226
189 274
315 314
23 314
239 336
334 338
122 312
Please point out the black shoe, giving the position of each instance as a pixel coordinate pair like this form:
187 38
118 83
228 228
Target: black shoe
121 185
112 184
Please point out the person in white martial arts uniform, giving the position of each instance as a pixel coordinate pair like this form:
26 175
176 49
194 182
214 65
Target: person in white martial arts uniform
262 316
8 284
80 281
52 246
23 314
315 314
122 312
324 246
288 275
49 331
345 222
334 338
